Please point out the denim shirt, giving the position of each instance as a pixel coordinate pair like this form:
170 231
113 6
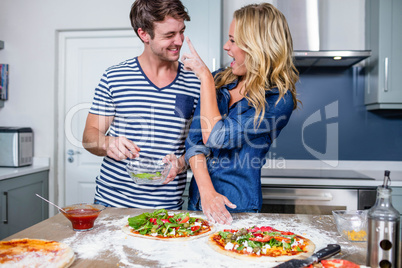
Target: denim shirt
235 150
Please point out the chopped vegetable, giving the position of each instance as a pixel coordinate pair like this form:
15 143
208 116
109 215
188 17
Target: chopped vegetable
149 176
265 238
185 219
258 239
162 224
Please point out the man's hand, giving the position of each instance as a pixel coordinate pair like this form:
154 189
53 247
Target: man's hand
96 142
214 207
120 148
178 166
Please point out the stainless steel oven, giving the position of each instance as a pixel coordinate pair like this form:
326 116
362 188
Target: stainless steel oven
315 200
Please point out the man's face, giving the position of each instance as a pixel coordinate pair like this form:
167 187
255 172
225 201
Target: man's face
168 39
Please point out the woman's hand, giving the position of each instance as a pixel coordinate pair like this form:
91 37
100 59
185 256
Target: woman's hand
193 62
214 207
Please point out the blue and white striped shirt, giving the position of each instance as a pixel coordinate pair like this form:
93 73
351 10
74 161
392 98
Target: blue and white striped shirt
156 119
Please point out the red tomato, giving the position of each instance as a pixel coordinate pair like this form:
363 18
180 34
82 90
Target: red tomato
287 233
230 230
338 263
195 228
261 239
154 220
185 219
266 229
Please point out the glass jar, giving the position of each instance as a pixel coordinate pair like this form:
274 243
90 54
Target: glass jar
383 231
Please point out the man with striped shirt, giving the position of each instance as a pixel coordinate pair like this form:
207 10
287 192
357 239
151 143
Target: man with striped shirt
142 108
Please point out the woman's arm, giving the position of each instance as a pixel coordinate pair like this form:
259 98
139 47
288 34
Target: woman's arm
210 114
212 203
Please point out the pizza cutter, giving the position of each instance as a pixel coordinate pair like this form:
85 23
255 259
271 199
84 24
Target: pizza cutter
324 253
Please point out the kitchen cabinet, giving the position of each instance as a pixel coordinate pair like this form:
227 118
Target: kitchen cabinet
384 38
19 206
397 203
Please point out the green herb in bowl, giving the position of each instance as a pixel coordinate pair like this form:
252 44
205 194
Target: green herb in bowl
148 176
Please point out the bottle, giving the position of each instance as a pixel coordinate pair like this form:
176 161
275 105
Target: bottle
383 229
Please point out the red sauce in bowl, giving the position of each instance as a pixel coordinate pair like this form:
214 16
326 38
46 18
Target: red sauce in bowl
82 219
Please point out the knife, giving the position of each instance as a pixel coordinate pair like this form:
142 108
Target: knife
324 253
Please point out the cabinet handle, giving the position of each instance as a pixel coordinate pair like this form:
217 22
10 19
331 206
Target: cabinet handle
386 74
5 221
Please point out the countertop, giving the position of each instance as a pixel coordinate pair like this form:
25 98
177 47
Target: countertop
39 164
107 246
335 173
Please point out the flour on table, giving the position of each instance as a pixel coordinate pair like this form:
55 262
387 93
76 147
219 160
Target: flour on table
109 240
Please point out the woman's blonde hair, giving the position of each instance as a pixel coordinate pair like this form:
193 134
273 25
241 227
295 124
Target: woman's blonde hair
263 33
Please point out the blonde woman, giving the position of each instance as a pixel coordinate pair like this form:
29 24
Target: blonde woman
242 109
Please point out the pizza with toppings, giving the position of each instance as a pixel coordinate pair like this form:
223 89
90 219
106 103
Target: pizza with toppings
159 225
35 253
261 244
334 263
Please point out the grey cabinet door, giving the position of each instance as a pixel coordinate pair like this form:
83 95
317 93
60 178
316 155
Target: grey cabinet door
384 39
20 207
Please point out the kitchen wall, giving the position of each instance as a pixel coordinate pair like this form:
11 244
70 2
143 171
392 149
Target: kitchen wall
333 124
28 29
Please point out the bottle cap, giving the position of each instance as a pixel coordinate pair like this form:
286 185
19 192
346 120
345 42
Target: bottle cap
387 179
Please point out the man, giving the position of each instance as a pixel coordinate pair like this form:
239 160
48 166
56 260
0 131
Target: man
142 108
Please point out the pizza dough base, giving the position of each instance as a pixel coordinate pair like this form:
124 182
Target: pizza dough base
31 259
128 230
310 250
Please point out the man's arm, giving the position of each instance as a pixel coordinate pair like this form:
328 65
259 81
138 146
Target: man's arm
96 142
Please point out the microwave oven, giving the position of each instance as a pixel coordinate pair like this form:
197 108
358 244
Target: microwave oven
16 146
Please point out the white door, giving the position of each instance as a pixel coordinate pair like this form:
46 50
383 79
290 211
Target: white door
84 56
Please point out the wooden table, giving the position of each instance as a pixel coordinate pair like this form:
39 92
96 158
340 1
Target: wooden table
107 246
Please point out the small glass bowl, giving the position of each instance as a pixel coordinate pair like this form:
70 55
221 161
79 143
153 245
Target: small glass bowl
82 216
148 171
351 224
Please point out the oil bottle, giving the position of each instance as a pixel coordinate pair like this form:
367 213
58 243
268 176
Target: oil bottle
383 229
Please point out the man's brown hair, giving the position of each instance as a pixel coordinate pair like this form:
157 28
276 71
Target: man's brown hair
145 12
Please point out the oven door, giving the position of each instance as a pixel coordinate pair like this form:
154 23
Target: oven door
317 201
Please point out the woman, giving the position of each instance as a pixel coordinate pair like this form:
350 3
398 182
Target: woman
242 109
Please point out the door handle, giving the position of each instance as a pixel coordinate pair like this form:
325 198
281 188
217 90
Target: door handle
386 73
72 152
321 197
5 211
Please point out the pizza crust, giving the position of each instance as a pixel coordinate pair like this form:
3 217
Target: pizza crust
310 250
128 230
35 253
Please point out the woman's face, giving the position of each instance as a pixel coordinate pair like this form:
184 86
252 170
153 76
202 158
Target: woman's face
238 55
